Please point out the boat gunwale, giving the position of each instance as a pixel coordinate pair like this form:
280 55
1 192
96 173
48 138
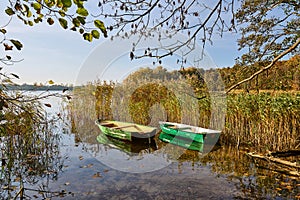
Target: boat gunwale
204 131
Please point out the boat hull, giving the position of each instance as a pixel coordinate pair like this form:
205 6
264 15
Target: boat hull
182 142
125 131
193 133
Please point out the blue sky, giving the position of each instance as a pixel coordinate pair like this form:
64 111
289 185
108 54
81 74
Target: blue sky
52 53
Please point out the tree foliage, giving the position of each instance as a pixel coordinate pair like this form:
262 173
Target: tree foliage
268 28
285 75
70 14
198 20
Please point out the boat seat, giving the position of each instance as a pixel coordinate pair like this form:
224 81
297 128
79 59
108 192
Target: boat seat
108 124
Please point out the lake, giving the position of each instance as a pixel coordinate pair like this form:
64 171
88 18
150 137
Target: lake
83 168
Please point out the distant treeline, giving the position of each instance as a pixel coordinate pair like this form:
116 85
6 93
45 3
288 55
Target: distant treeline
29 87
285 75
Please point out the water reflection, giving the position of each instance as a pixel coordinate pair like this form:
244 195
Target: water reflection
225 173
248 178
134 147
26 159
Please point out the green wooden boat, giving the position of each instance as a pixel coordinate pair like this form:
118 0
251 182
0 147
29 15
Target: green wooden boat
183 142
125 130
194 133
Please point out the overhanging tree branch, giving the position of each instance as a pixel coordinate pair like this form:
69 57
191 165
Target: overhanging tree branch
294 46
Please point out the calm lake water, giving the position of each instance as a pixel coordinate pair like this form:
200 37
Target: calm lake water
90 170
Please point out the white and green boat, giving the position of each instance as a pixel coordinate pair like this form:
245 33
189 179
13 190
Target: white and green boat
184 131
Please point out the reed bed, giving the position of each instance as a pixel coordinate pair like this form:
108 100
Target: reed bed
147 102
264 121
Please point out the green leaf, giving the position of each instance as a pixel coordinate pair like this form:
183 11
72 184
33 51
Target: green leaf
67 3
26 7
81 19
17 44
36 6
50 3
79 3
82 12
29 13
88 36
62 13
95 34
59 4
99 24
39 19
76 22
10 11
63 23
36 20
30 23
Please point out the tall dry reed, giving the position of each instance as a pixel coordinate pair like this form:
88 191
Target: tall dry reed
265 121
